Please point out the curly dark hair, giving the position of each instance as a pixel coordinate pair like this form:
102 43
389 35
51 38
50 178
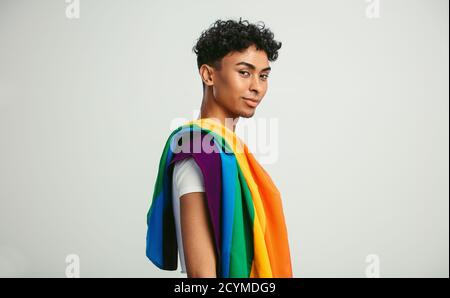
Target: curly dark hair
224 37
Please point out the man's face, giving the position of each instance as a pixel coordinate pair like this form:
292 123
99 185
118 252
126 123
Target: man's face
241 82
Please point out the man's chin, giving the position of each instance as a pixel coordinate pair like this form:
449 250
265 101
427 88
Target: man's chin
247 114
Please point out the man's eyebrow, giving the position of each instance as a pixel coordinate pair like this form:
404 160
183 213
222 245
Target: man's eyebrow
252 66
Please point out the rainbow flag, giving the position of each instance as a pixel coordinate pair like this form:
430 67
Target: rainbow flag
244 205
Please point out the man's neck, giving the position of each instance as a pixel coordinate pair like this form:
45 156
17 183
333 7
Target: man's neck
213 111
229 123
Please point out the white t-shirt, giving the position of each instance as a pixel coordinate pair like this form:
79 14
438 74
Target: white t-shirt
187 178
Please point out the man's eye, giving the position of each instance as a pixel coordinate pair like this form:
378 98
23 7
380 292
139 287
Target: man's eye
245 73
264 76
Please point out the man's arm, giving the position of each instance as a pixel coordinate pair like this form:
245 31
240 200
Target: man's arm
197 234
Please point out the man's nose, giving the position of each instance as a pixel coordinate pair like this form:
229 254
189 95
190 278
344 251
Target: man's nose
255 85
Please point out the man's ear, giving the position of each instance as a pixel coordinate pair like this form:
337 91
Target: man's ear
207 74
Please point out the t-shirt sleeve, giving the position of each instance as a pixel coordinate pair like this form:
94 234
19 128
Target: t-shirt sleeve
188 177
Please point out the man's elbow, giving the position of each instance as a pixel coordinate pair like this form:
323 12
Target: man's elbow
202 274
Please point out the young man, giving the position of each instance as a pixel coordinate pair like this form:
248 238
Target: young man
233 61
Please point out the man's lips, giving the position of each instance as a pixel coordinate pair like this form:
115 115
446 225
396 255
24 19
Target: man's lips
253 102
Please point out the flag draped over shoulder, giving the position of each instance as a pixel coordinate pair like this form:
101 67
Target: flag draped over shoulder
244 205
